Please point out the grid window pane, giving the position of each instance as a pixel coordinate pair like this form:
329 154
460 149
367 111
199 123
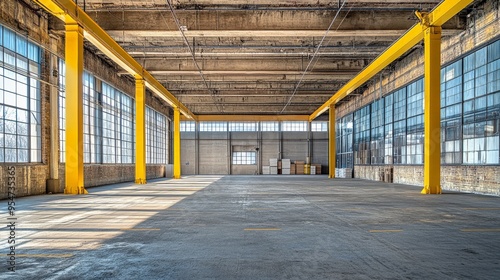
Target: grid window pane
20 100
244 158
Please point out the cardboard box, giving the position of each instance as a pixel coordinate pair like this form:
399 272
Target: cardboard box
299 169
279 164
313 170
266 170
273 162
285 163
292 169
318 169
285 171
273 170
300 162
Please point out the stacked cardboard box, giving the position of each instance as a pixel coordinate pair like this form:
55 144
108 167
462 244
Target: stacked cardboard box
266 170
292 169
318 169
299 167
273 166
285 166
313 170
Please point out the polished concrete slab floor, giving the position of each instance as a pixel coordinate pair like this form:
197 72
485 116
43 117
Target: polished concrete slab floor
255 227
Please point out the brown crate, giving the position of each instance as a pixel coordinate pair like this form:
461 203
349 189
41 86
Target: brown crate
292 169
279 164
299 169
300 162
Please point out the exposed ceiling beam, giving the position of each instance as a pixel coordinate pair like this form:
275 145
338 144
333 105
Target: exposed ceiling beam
251 118
68 12
118 34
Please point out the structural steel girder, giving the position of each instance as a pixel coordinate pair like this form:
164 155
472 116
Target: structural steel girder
250 118
437 17
69 12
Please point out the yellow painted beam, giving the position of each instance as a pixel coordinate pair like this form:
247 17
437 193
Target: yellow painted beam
432 111
177 144
437 17
69 12
74 110
140 131
332 160
249 118
397 49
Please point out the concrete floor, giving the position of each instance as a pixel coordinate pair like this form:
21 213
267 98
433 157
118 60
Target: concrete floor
257 227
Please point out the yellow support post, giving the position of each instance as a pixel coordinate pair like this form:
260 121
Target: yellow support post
432 111
140 130
177 143
74 110
332 142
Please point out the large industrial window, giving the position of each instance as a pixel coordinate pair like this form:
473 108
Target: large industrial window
91 121
481 107
362 136
451 113
156 137
377 132
388 128
294 126
415 123
344 133
62 110
270 126
399 143
240 158
213 126
242 126
109 126
20 101
470 116
188 126
319 126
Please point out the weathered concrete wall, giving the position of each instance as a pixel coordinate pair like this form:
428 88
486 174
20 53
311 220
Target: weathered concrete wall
215 150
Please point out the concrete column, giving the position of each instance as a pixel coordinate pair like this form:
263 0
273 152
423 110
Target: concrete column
332 153
140 131
74 110
53 183
432 111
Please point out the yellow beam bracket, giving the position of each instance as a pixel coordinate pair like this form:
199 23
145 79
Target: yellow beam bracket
432 111
74 110
140 131
332 142
177 144
69 12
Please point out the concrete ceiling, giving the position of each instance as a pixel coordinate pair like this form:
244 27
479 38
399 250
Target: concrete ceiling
251 57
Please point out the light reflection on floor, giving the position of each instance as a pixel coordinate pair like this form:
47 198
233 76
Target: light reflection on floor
70 223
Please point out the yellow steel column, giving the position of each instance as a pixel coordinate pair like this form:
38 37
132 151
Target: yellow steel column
140 130
74 110
177 143
332 150
432 113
